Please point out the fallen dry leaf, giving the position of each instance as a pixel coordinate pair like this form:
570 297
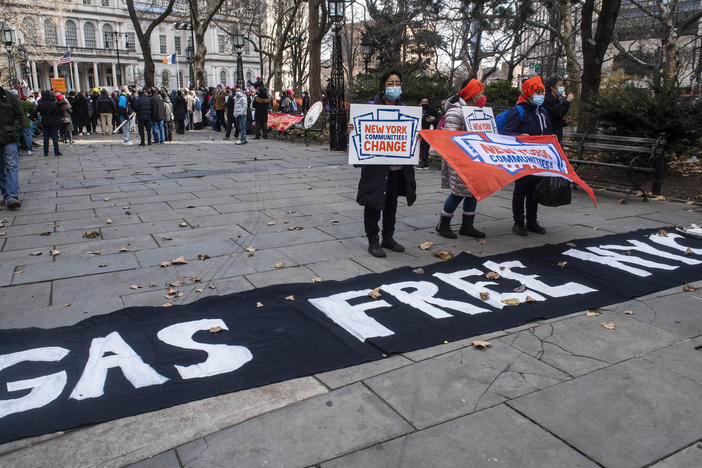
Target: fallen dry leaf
216 329
259 304
689 251
35 254
103 265
622 201
290 298
279 265
203 256
91 234
193 279
480 344
167 304
629 312
183 224
659 198
512 301
468 252
199 290
212 286
482 242
520 288
93 252
426 245
124 249
690 202
484 295
316 279
571 244
562 264
418 271
18 272
108 221
65 305
334 221
592 313
167 238
529 299
492 275
107 199
176 284
190 206
608 325
295 228
179 261
152 284
662 233
165 264
3 233
291 211
271 223
45 233
375 293
443 255
136 286
54 253
233 254
688 288
250 249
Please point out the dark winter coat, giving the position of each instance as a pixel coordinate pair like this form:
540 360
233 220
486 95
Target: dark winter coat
10 118
260 105
49 112
105 105
157 113
534 122
65 110
229 106
142 106
374 180
81 114
557 108
179 107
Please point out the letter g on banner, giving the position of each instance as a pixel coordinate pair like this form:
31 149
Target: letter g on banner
44 389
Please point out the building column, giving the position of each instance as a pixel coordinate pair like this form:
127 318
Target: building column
35 82
77 76
56 75
95 74
114 75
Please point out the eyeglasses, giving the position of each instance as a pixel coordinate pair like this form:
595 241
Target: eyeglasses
393 83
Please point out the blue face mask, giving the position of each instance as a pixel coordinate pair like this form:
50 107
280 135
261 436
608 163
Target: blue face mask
538 99
238 94
561 90
393 93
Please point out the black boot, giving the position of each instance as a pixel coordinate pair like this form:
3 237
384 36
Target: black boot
374 247
519 229
467 228
534 226
389 243
444 228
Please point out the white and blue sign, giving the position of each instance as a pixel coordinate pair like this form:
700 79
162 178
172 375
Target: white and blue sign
384 134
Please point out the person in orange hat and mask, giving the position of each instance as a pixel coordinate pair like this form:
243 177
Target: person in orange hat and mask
471 94
531 120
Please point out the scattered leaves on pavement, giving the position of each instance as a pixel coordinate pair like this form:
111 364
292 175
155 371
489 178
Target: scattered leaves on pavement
167 304
608 325
484 295
443 255
375 293
419 271
54 253
193 279
176 284
259 304
426 245
203 256
628 312
512 301
481 344
167 238
107 199
216 329
662 233
622 201
179 261
468 252
482 242
91 234
250 249
103 265
212 286
295 228
3 233
689 251
592 313
123 249
165 264
688 288
529 299
520 288
65 305
290 298
492 275
279 265
659 198
35 254
183 224
317 279
108 221
190 206
334 221
45 233
136 286
271 223
93 252
291 211
562 264
199 290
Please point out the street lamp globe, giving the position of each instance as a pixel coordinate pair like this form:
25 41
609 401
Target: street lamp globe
6 34
238 40
336 10
366 45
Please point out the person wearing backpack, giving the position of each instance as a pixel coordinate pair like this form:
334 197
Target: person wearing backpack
528 117
471 94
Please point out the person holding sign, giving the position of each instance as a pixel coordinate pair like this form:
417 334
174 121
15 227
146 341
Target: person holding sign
381 184
471 94
531 119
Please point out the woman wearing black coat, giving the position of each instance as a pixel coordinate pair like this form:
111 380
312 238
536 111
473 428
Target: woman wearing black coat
557 104
381 185
179 112
50 120
81 115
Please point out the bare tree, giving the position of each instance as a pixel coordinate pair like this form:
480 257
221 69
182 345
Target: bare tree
318 26
202 12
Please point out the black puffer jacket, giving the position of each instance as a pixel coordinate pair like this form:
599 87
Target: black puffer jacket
179 107
10 117
157 112
105 105
535 121
374 180
48 111
557 108
142 106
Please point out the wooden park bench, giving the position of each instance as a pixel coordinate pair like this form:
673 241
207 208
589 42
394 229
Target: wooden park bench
637 155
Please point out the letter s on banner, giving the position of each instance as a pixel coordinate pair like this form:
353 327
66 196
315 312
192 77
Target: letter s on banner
221 358
44 389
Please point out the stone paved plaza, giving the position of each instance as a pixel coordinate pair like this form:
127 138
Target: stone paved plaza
563 393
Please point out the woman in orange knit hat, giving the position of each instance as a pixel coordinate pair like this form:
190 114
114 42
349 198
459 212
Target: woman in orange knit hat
532 119
471 94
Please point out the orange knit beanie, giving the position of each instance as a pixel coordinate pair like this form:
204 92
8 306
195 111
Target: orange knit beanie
532 85
472 89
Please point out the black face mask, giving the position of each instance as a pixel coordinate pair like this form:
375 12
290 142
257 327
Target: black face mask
425 107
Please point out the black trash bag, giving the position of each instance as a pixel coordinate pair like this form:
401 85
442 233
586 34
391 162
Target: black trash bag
552 191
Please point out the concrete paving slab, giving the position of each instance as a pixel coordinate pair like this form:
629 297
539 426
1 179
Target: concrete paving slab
677 358
340 377
74 267
493 437
679 313
690 457
462 382
305 433
630 414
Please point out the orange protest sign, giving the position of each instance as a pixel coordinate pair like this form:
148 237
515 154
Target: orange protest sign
283 121
488 162
59 84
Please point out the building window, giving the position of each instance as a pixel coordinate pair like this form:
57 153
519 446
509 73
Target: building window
220 43
248 77
131 44
164 79
162 43
86 2
89 35
223 77
50 33
247 47
29 31
108 38
176 40
105 2
180 79
71 34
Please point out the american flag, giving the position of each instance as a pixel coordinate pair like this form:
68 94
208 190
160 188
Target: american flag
66 58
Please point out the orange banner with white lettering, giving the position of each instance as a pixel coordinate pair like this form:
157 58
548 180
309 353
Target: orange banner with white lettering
487 162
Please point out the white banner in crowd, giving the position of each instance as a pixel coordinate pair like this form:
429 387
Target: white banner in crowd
479 119
384 134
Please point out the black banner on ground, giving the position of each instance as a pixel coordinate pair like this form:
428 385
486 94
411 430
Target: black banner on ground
142 359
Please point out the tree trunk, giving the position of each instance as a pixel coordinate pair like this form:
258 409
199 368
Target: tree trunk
199 60
149 68
315 38
671 58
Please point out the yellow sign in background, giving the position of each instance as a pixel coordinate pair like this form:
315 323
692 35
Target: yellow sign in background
59 84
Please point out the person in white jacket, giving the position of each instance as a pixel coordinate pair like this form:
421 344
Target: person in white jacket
240 107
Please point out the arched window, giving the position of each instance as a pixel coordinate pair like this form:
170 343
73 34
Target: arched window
108 39
181 83
89 35
248 76
164 79
234 78
223 77
50 33
29 31
71 34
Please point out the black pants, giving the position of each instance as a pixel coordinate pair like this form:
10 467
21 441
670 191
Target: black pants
371 216
180 126
220 120
144 126
230 122
523 189
94 122
168 127
423 151
262 128
53 133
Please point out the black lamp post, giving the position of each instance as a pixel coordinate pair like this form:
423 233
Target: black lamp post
189 57
115 40
238 43
337 109
22 52
7 36
366 49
